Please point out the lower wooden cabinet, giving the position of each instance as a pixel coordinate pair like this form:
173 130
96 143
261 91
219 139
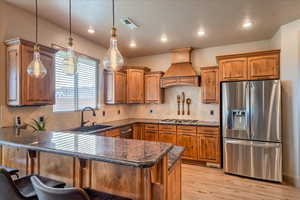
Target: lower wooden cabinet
209 148
167 137
190 143
138 131
15 158
151 135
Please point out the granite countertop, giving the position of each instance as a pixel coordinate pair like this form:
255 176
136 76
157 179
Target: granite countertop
120 123
174 155
137 153
126 122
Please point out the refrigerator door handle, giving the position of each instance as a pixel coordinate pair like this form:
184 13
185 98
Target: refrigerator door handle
248 103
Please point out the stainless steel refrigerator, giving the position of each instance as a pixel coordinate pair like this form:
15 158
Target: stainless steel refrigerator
251 127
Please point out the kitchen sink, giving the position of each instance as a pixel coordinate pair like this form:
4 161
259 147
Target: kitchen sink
90 129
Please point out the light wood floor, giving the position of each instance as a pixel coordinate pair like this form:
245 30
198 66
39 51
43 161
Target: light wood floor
202 183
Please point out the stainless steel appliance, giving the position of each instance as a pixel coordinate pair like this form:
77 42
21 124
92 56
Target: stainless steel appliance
251 124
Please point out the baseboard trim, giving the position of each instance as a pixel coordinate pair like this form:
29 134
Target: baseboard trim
293 181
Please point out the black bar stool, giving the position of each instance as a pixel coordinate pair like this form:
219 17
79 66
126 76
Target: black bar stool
22 187
11 171
47 193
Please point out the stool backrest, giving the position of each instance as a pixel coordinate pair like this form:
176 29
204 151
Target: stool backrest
8 189
48 193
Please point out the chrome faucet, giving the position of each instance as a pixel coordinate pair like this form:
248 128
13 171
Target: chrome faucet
82 123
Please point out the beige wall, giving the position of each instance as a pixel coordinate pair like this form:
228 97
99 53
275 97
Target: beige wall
200 58
288 38
15 22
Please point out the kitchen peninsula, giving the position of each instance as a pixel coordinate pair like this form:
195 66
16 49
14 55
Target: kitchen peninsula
129 168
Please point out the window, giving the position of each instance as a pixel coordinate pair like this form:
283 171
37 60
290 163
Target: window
78 91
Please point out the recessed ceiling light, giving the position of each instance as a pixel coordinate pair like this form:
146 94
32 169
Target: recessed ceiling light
132 44
164 38
91 30
247 24
201 33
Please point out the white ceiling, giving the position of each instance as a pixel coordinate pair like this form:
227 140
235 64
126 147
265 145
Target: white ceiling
180 20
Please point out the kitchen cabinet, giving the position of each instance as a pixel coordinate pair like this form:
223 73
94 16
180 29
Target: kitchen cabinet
153 92
167 137
23 90
262 65
209 144
187 137
112 133
210 84
234 69
135 86
115 87
138 131
151 135
151 132
190 143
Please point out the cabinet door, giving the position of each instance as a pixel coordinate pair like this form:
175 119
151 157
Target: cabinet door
209 148
190 143
263 67
135 86
37 91
210 85
120 86
167 137
233 69
153 92
15 158
138 131
151 135
13 75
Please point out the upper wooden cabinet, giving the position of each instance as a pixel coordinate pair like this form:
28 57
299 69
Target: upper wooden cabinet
23 90
234 69
153 92
264 67
114 87
135 86
250 66
210 84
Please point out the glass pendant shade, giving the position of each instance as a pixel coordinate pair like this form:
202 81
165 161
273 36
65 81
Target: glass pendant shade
113 60
36 69
70 67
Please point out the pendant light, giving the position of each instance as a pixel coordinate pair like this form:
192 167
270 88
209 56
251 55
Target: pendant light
113 59
36 69
70 67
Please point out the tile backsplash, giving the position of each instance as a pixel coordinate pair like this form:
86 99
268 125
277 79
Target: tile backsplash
67 120
198 110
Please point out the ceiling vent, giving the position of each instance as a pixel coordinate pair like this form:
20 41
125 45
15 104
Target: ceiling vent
128 22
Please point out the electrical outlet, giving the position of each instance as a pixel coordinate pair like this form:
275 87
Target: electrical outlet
151 111
119 111
212 112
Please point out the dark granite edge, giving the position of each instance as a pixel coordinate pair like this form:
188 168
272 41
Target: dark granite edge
174 155
145 164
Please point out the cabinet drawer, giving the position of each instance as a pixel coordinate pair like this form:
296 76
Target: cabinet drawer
151 135
167 137
167 128
185 129
208 130
151 126
112 133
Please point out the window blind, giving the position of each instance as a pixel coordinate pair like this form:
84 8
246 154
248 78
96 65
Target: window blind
76 91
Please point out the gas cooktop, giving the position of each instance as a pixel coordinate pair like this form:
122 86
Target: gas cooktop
179 121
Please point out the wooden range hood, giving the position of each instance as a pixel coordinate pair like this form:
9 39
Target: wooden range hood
181 71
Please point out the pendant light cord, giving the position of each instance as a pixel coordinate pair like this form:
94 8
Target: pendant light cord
113 11
36 22
70 17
